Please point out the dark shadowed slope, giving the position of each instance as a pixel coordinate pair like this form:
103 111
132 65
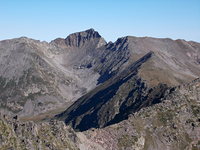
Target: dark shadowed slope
162 64
173 124
114 100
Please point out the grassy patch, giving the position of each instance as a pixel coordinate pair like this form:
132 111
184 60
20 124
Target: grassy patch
10 141
165 117
195 110
127 141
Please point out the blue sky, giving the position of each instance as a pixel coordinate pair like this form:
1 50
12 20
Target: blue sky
49 19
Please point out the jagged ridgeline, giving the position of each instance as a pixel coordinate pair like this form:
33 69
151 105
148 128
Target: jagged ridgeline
114 100
89 83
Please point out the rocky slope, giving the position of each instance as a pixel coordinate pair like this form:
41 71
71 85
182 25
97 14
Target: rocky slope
142 83
36 77
172 124
52 135
114 100
123 88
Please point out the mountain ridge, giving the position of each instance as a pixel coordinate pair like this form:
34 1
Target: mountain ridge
92 29
90 64
130 94
99 99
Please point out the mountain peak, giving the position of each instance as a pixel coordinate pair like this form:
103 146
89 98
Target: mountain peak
79 38
90 30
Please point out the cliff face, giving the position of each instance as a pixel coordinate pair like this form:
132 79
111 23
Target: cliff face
80 38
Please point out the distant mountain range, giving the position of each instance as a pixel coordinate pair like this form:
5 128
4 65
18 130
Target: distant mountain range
135 93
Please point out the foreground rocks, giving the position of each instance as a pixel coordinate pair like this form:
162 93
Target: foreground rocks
52 135
172 124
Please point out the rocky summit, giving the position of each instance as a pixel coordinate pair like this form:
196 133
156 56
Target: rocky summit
81 92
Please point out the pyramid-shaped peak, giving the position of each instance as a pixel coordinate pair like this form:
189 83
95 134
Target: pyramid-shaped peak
79 38
90 30
91 33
